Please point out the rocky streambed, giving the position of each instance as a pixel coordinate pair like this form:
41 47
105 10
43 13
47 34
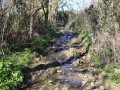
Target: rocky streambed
64 66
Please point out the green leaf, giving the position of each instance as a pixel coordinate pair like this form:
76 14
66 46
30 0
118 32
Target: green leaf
1 65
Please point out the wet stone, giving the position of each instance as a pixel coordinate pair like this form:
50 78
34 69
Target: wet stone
60 77
59 71
76 63
74 81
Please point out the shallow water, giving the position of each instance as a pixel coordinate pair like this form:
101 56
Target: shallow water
66 72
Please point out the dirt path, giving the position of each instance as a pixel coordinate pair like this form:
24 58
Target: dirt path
65 66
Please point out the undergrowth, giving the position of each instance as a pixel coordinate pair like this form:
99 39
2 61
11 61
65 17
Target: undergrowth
112 70
103 63
113 73
11 75
13 65
84 38
103 29
96 60
41 42
24 57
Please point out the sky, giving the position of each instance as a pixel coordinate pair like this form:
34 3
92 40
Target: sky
77 4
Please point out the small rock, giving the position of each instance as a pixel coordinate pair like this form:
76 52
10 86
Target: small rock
67 85
88 56
92 65
71 69
59 71
91 77
96 76
56 89
37 59
98 82
76 63
84 82
49 81
100 76
66 80
102 88
65 88
92 84
84 57
51 71
82 61
104 73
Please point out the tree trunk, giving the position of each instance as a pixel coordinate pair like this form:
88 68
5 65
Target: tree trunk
0 5
49 9
45 10
31 20
52 7
1 31
31 26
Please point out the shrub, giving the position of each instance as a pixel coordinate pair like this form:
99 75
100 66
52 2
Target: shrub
41 42
81 32
21 57
85 39
112 75
100 2
52 30
10 74
11 67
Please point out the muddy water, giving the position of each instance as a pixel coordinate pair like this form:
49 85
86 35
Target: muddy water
67 76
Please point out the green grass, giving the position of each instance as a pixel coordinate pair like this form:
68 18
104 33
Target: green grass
96 60
111 75
115 78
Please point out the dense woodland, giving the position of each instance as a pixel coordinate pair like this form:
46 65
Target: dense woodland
27 28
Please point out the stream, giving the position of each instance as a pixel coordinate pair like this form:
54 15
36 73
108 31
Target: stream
67 76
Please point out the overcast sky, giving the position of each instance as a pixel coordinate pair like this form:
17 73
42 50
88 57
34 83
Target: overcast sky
77 4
